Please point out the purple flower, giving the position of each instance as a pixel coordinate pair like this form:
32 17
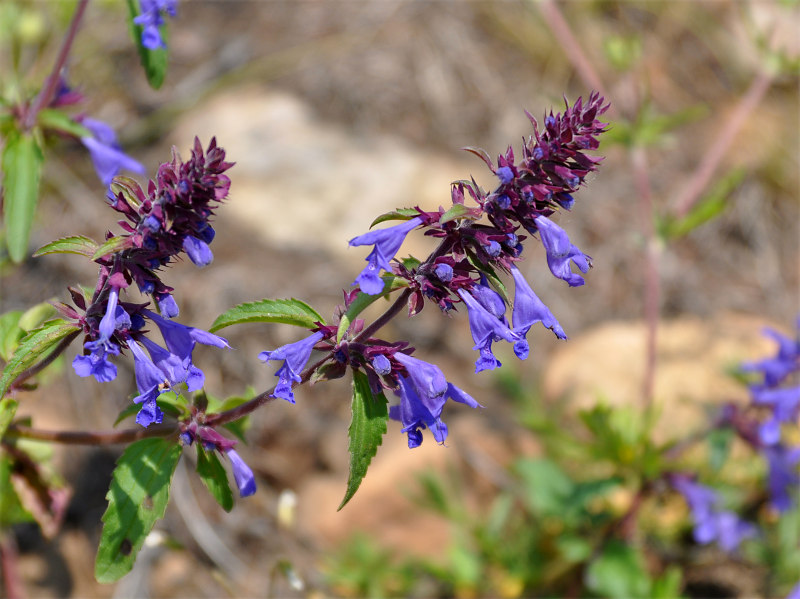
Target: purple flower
295 357
422 397
785 404
560 252
150 19
528 310
198 251
443 272
177 369
787 360
168 306
795 592
711 524
486 328
106 152
387 242
96 364
505 174
381 364
783 474
148 380
242 474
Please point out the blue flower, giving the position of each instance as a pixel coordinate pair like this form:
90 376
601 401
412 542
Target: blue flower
560 252
149 381
150 19
176 369
167 305
711 524
505 174
198 251
443 272
106 152
387 242
242 474
785 404
96 364
295 357
787 360
381 364
528 310
783 474
486 327
422 397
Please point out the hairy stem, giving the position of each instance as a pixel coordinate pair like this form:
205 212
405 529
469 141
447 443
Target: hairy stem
45 95
16 431
384 318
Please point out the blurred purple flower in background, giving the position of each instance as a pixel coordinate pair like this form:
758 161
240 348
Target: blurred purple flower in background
106 153
151 18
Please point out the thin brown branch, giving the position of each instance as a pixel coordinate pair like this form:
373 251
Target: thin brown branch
16 431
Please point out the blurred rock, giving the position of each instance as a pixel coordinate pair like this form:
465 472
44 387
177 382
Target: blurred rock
607 363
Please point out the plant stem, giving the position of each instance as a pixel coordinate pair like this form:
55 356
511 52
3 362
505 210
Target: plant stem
45 95
9 566
714 154
39 366
384 318
16 431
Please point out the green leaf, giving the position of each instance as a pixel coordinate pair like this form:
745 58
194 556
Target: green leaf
399 214
456 211
78 244
10 333
366 431
8 407
33 347
11 509
153 61
705 210
137 498
239 426
286 311
547 486
719 447
111 246
618 573
668 585
390 283
22 165
214 477
51 118
34 316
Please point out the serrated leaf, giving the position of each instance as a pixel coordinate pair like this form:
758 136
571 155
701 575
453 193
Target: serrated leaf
390 283
52 118
154 62
10 333
367 427
8 407
78 244
399 214
480 153
22 166
285 311
137 499
32 348
456 211
112 246
212 473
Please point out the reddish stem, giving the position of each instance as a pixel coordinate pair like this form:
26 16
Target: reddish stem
45 95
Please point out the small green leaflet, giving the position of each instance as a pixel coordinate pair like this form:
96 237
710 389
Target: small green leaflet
10 333
214 477
285 311
366 431
153 61
399 214
137 499
390 283
50 118
456 211
33 347
8 407
112 246
22 165
77 244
